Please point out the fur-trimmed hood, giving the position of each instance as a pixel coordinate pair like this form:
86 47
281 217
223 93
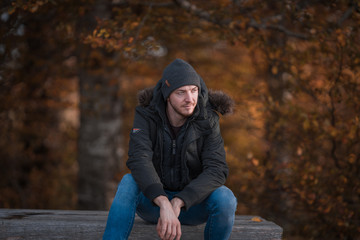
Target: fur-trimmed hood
220 101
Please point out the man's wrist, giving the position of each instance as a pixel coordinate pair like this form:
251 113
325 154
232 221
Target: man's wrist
161 201
178 202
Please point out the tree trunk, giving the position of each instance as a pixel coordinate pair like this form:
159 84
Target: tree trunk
99 136
279 152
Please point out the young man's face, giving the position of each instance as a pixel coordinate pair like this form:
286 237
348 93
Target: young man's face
183 100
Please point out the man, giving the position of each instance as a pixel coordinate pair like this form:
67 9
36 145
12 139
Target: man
177 161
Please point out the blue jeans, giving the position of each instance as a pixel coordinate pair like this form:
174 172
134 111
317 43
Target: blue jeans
217 210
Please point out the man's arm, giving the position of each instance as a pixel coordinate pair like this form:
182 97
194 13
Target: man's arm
141 155
168 226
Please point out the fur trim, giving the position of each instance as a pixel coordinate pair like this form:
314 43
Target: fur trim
220 101
144 96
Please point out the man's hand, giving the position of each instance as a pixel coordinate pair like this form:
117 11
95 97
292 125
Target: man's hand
168 226
177 204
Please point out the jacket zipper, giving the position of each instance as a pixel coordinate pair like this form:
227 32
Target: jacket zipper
161 137
173 161
174 147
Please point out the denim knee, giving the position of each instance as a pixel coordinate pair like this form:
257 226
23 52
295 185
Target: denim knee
127 179
224 200
221 205
127 188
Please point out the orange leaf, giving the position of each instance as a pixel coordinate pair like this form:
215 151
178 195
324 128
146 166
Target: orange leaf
256 219
255 161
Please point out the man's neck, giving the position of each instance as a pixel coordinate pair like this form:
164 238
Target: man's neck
175 119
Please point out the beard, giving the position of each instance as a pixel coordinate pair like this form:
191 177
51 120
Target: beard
182 110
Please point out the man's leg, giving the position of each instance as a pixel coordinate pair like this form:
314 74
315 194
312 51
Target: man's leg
147 210
122 212
217 210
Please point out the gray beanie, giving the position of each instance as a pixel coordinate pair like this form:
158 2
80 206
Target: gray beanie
177 74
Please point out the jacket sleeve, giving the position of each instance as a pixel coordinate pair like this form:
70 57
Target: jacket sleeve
140 157
214 173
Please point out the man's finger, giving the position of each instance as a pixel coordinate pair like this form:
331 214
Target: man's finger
158 227
169 232
164 229
161 229
178 232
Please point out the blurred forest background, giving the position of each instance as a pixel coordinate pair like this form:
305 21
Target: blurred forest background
70 72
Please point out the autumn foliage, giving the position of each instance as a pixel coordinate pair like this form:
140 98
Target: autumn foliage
292 67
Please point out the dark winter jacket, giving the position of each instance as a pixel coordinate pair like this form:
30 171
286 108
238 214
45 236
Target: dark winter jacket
203 163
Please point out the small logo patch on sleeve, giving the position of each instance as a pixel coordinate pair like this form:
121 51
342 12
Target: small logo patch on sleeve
135 130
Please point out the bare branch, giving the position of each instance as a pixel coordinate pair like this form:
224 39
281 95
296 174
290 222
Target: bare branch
279 28
346 15
225 23
142 23
122 3
196 11
168 4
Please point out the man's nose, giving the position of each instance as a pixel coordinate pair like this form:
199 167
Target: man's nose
188 97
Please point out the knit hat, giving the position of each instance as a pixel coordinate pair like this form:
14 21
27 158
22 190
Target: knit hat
177 74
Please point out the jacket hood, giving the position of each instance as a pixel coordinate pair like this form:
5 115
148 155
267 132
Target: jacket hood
181 73
218 100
